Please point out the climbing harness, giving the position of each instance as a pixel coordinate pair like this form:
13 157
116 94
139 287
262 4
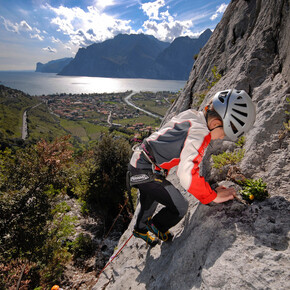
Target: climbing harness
157 174
113 257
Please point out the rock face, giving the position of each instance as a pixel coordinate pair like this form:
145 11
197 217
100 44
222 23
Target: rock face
137 56
231 245
53 66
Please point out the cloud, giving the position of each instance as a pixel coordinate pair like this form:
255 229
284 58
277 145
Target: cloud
9 26
151 9
86 27
49 49
221 9
55 40
37 36
168 30
163 25
101 5
22 28
23 25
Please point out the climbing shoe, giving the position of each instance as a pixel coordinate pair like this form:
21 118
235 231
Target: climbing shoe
165 237
151 241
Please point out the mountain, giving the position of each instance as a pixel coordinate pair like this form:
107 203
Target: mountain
53 66
231 245
176 61
136 56
124 56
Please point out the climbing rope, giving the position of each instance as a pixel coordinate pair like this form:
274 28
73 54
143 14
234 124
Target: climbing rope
113 257
109 231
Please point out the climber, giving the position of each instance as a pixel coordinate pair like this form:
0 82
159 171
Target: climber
182 141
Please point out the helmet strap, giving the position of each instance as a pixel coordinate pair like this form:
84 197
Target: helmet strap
220 126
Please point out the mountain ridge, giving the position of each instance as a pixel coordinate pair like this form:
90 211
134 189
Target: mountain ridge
135 56
53 66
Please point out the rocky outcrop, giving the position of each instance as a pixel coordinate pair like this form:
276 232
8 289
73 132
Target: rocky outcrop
232 245
137 56
53 66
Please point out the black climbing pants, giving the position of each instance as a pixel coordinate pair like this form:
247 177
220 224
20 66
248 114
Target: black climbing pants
159 191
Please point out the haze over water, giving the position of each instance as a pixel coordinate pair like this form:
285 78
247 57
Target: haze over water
35 83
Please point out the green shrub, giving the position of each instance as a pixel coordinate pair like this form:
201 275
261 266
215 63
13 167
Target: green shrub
199 96
254 189
226 158
216 77
241 141
83 246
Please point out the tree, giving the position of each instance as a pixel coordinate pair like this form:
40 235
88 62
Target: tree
107 180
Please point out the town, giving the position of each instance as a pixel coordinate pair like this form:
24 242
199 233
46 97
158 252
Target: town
109 109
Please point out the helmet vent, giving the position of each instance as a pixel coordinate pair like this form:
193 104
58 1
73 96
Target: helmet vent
238 120
235 130
222 99
239 97
241 113
241 105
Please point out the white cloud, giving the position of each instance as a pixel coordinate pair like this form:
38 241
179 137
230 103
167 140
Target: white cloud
49 49
151 9
168 30
22 28
163 25
55 40
37 36
23 25
101 5
221 9
87 27
9 26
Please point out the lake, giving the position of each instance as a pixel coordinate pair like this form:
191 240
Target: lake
35 83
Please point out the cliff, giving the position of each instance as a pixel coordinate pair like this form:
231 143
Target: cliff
53 66
231 245
137 56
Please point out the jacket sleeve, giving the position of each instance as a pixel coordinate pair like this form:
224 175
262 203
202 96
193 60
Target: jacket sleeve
188 169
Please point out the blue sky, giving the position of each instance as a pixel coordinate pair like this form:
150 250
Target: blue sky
42 30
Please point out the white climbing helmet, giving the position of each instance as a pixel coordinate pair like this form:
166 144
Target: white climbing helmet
237 111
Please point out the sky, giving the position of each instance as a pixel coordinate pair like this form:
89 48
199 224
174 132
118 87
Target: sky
34 31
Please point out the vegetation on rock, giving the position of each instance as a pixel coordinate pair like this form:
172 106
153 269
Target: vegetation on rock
254 190
35 223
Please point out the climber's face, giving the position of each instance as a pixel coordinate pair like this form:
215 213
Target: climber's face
216 128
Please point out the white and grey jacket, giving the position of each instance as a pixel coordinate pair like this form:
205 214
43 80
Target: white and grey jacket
182 141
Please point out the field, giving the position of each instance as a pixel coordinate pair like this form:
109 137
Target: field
151 105
83 130
42 124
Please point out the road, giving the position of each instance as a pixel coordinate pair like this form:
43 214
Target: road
24 131
128 102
